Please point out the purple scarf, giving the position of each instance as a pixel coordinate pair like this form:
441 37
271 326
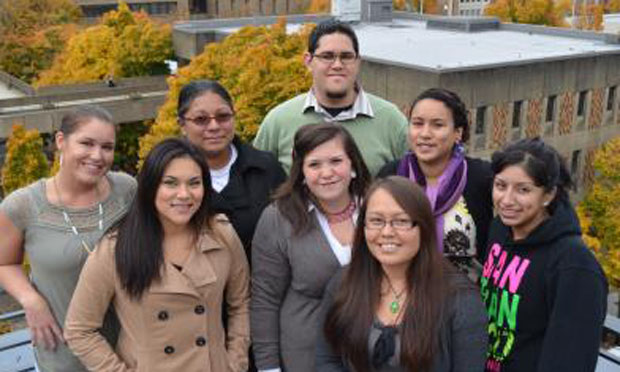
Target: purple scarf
446 192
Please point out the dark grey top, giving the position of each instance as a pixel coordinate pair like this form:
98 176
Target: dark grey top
289 275
56 255
463 338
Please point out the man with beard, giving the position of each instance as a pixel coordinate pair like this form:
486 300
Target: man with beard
378 126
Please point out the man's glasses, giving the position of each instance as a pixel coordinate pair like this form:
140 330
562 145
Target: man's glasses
204 120
330 57
397 224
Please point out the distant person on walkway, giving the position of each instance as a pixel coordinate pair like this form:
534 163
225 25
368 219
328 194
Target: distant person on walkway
458 186
377 126
166 269
57 222
399 306
544 291
242 177
301 240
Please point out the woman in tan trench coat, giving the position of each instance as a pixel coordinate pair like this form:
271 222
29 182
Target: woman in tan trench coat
166 268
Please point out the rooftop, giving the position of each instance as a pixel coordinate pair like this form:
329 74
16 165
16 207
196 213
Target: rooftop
446 44
410 43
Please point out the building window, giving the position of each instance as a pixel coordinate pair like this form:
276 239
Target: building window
516 114
480 114
550 108
574 163
581 105
611 97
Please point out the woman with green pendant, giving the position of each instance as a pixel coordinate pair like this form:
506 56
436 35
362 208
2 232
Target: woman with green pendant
399 305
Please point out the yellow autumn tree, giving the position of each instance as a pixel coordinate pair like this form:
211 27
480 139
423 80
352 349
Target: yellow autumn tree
599 212
33 33
260 67
612 6
537 12
319 6
428 6
590 17
25 161
123 44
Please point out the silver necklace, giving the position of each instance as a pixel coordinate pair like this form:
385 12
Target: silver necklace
68 221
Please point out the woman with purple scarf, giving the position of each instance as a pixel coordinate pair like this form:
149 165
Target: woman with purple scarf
458 187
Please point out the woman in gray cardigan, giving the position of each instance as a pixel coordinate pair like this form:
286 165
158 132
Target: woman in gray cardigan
400 306
300 242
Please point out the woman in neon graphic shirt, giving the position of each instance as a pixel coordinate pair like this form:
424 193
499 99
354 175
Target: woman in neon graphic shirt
544 292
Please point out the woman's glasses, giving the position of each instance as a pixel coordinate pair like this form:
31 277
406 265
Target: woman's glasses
374 223
204 120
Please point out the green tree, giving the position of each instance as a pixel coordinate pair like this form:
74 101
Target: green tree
599 212
25 161
260 66
124 44
33 33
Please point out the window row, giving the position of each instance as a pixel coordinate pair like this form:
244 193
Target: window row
154 8
550 111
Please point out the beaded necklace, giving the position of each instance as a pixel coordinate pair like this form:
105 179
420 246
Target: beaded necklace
68 221
343 215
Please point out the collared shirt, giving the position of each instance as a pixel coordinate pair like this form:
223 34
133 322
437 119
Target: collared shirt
361 106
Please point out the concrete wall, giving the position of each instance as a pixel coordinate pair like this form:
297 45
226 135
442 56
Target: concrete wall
131 100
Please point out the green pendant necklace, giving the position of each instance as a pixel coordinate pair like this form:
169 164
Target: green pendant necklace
395 304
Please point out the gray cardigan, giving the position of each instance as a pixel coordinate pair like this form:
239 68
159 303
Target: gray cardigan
289 275
463 342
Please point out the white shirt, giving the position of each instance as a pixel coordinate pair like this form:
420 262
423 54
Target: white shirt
220 177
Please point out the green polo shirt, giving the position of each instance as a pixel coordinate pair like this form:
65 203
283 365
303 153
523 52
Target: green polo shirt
380 133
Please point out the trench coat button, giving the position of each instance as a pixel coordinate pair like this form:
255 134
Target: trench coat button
169 350
163 315
199 309
200 341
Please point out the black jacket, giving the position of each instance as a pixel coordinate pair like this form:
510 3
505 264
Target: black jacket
477 195
546 297
253 177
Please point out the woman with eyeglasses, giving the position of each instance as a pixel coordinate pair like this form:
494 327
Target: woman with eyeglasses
58 221
242 177
399 306
166 269
458 186
545 293
301 240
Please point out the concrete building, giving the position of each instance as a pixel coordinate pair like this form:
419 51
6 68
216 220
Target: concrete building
517 80
470 7
198 9
158 8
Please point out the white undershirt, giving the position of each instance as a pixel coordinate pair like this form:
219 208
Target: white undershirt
342 252
220 177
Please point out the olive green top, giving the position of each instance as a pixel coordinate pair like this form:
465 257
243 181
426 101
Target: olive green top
56 255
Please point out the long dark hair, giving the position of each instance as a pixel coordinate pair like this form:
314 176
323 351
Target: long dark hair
139 254
541 162
292 197
348 322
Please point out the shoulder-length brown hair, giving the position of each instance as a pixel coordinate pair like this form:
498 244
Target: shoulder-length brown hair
293 196
348 322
